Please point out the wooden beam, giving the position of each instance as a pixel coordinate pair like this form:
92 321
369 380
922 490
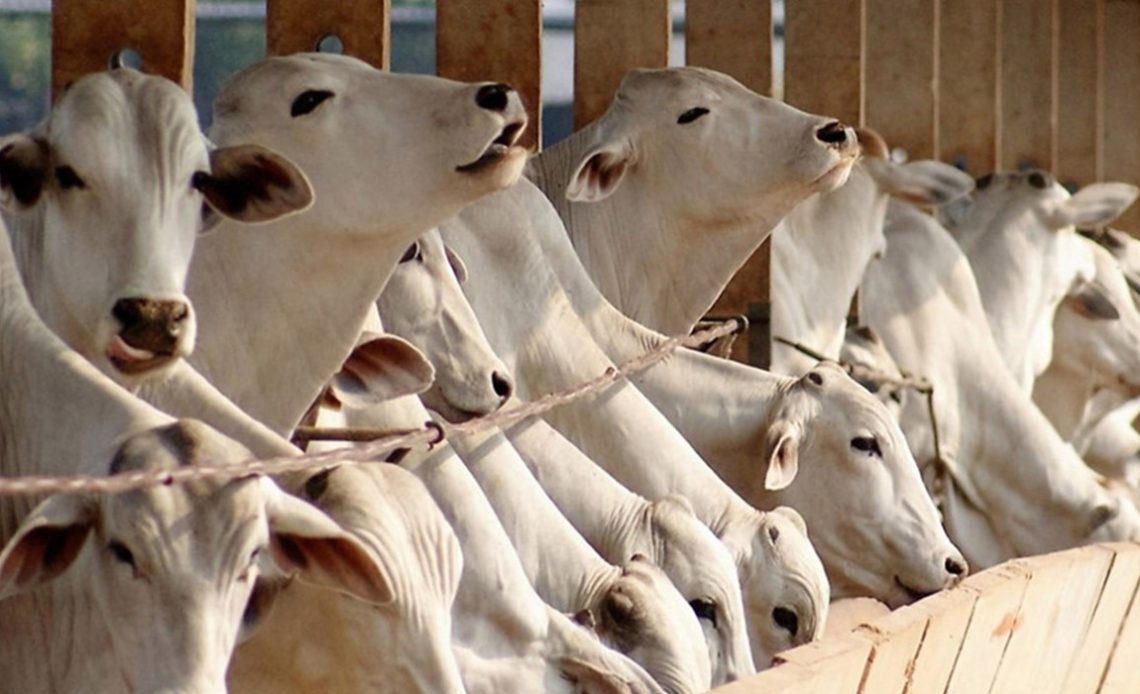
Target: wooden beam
900 74
1028 84
87 33
1122 99
1080 88
968 135
294 26
610 38
497 40
823 57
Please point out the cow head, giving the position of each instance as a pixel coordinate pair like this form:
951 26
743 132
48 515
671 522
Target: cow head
118 181
169 569
423 302
878 534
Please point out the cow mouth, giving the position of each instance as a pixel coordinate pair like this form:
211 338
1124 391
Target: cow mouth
835 175
133 361
912 594
498 150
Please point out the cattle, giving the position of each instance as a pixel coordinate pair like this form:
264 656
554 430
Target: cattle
686 164
350 645
834 235
119 177
1009 485
145 590
1018 231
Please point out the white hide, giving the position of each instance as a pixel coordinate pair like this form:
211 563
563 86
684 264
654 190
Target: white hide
1016 488
142 591
669 192
105 200
1018 231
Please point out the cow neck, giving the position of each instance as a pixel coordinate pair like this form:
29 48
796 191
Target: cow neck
280 310
604 512
1063 396
568 573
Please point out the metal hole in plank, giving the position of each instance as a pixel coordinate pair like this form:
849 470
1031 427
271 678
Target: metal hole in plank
330 43
125 57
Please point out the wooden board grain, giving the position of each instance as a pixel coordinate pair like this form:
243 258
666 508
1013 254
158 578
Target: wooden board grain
1028 72
823 53
1122 100
947 616
968 134
293 26
900 96
1088 663
995 617
1080 85
86 33
496 40
610 38
732 36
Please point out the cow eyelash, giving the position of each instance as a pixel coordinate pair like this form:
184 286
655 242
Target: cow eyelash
120 552
691 115
867 444
413 253
308 101
68 179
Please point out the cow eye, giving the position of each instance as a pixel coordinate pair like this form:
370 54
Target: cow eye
413 253
68 179
984 182
308 101
1038 180
704 609
867 444
121 554
691 115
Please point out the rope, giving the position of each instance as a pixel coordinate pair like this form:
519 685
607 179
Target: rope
378 442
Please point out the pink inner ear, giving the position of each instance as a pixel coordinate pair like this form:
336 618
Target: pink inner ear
43 553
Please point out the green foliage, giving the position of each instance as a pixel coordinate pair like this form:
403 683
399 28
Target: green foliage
24 70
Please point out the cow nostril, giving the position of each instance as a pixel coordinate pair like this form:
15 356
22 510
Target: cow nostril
834 133
786 619
956 566
501 385
128 311
180 313
493 97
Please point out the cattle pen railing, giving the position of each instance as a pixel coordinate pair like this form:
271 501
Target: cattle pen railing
984 84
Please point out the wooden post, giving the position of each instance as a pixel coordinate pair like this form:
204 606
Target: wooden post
610 38
823 57
1080 87
1122 103
1028 84
294 26
499 40
87 33
900 97
735 37
968 135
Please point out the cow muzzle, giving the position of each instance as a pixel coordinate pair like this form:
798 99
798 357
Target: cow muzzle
152 333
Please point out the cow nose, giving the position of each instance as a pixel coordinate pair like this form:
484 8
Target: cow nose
786 620
494 97
151 324
501 384
957 566
834 133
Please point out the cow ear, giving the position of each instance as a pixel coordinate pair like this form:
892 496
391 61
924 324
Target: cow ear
600 172
921 182
380 368
457 264
1091 301
252 184
783 455
24 164
1094 205
46 543
306 542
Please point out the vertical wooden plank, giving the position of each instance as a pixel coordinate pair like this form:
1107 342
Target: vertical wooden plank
86 33
823 57
1092 654
735 37
294 26
610 38
995 617
1080 89
732 36
968 134
900 95
1122 674
1028 84
497 40
1122 99
948 616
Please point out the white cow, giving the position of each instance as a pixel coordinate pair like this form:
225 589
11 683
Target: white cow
348 645
106 198
1018 231
686 164
834 235
1013 486
735 415
142 591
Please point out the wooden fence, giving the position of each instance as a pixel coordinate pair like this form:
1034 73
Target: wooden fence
1065 623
